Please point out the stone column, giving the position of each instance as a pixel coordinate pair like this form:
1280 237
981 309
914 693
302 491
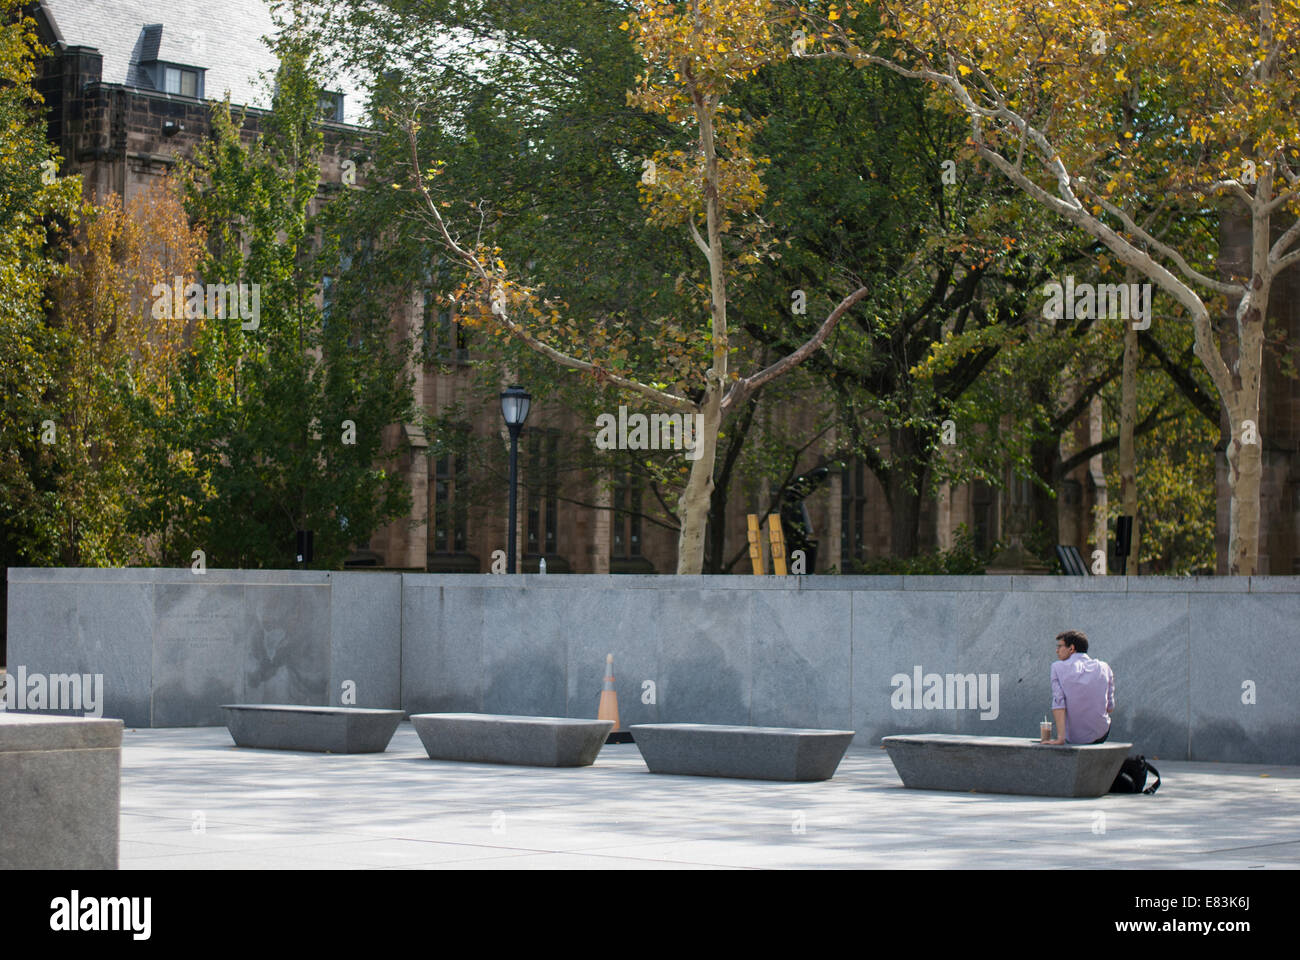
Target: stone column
602 524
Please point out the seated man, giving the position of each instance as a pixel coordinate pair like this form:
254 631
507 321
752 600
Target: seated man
1083 692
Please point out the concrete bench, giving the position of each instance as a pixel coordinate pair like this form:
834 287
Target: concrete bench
60 792
526 741
946 761
279 726
752 753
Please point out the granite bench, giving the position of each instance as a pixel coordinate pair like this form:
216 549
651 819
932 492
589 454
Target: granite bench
279 726
526 741
752 753
60 792
1019 765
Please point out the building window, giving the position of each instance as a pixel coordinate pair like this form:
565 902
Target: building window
450 513
543 492
330 106
627 518
444 340
982 507
182 81
853 512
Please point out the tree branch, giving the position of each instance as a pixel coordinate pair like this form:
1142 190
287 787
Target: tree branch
470 260
743 387
1205 404
1230 289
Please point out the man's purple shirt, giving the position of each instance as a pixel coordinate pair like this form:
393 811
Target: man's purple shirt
1086 689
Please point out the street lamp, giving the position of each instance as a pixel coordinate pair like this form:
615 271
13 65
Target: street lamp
514 407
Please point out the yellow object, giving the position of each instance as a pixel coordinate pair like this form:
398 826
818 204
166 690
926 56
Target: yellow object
755 546
778 544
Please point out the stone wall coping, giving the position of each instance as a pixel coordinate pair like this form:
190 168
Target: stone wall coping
28 731
586 581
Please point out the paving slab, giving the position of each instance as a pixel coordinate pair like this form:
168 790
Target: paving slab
396 810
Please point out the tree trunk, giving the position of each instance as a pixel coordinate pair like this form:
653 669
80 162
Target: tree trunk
693 506
1046 459
1244 250
1245 457
905 491
715 543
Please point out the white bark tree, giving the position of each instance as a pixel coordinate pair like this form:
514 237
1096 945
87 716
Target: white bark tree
1037 80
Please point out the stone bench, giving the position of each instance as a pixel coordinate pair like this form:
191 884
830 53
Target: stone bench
752 753
526 741
278 726
946 761
60 792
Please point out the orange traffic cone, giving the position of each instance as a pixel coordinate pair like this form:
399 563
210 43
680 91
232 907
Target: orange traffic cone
608 709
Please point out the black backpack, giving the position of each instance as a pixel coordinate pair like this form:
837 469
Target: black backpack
1133 776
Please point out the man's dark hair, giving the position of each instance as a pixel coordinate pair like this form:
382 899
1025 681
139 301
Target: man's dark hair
1074 638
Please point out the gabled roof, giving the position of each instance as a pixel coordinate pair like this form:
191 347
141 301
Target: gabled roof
222 36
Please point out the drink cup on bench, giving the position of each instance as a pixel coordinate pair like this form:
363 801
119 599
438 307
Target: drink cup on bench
1045 731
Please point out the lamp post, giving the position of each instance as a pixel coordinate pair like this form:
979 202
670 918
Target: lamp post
514 408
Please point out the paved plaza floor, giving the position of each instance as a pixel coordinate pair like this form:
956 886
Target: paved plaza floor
192 800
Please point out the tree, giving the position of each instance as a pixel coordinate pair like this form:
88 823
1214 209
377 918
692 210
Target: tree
1057 97
275 421
693 58
115 354
868 185
37 208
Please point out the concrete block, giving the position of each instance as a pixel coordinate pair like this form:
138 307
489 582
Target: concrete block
90 628
526 741
1144 638
801 664
752 753
1244 683
523 641
442 643
365 621
1009 645
604 615
277 726
198 652
706 654
286 643
1013 765
60 792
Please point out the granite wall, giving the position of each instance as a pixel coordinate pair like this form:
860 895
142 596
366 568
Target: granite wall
173 646
1190 655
